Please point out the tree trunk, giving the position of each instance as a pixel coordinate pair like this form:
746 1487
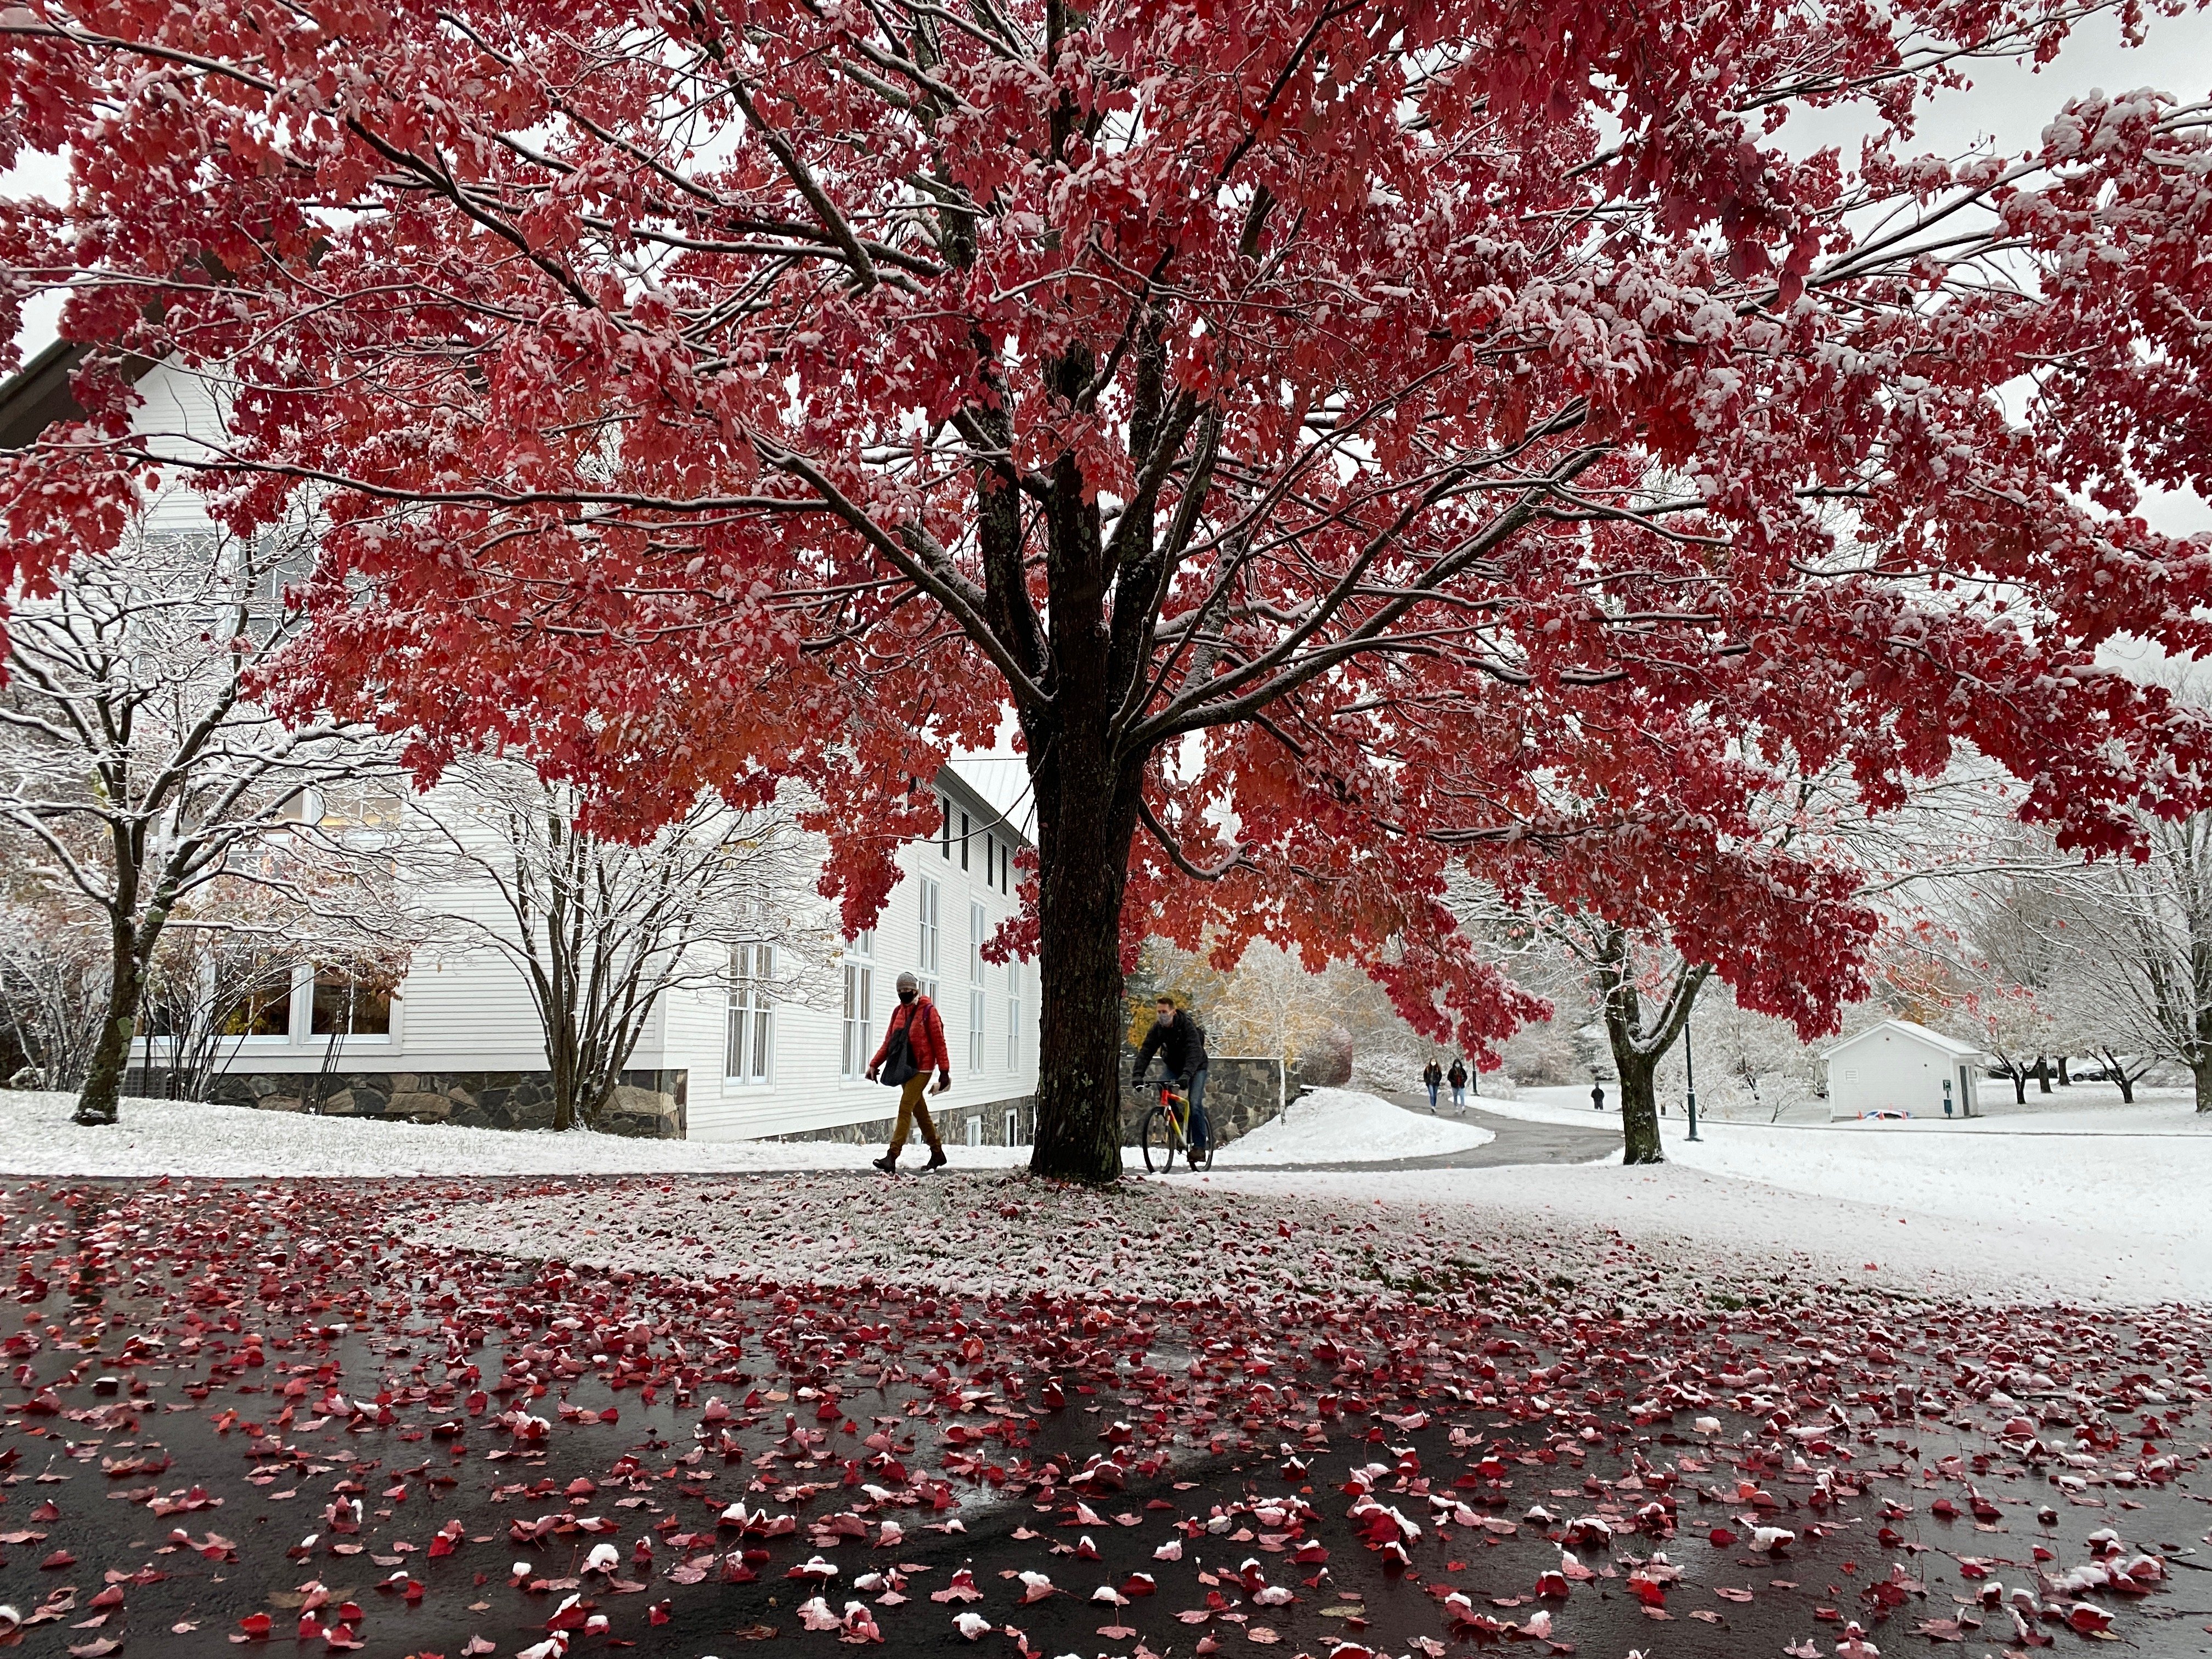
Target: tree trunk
2064 1081
100 1101
561 1062
1084 862
1639 1108
2202 1071
2042 1074
2127 1087
2018 1086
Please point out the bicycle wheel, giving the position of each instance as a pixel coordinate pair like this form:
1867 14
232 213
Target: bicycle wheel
1162 1142
1200 1160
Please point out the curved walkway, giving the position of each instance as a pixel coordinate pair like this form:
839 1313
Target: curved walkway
1516 1141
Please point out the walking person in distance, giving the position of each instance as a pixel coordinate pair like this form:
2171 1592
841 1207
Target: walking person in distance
1459 1084
1432 1078
912 1047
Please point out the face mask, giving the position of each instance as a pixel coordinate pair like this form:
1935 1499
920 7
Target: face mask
906 996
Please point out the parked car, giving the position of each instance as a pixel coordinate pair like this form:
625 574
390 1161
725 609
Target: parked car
1885 1114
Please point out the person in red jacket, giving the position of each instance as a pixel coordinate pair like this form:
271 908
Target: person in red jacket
918 1023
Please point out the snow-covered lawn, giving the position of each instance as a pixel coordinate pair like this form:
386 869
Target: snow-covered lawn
1345 1126
192 1138
2019 1207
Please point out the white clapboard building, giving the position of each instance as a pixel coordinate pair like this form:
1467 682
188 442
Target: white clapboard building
1900 1066
460 1040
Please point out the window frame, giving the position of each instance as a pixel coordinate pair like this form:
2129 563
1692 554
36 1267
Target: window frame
929 945
315 977
749 1017
856 1022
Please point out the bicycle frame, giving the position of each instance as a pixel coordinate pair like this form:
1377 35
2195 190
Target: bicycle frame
1177 1106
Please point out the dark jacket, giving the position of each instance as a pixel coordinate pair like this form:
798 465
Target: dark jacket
1433 1075
926 1038
1458 1075
1181 1043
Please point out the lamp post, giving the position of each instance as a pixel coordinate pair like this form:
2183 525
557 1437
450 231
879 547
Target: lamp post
1690 1074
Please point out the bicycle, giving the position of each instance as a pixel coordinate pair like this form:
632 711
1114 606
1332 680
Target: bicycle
1167 1133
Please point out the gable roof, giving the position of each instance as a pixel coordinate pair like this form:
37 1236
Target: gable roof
1905 1028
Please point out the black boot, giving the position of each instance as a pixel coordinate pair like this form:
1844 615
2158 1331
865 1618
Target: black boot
936 1158
888 1162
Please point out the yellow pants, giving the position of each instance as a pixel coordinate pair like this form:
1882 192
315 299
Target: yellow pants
911 1111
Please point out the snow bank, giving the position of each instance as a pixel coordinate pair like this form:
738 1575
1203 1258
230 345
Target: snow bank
2114 1219
193 1138
1344 1126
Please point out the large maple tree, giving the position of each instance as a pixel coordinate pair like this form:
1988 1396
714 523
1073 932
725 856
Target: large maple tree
1354 439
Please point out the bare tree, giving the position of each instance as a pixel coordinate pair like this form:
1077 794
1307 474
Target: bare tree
2148 952
135 765
601 929
53 983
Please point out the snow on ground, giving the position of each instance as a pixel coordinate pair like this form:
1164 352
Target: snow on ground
983 1234
1345 1126
193 1138
2091 1109
2031 1214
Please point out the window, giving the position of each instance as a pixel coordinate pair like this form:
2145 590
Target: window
1005 872
261 1006
345 1006
945 829
926 959
358 802
750 1049
859 991
975 927
1013 1016
963 840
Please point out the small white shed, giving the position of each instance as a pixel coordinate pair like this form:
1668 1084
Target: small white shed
1900 1067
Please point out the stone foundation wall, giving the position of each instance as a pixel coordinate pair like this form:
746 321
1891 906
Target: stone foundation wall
651 1105
1242 1093
951 1122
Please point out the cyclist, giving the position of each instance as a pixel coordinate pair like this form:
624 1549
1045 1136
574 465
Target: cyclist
1180 1040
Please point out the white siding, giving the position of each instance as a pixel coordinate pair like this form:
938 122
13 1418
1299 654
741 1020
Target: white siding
467 1007
1891 1069
807 1092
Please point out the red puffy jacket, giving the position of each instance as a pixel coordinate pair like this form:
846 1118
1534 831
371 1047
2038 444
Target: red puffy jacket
927 1036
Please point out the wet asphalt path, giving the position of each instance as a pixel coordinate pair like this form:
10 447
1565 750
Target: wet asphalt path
1516 1143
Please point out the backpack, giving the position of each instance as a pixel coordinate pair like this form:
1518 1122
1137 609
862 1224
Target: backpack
899 1068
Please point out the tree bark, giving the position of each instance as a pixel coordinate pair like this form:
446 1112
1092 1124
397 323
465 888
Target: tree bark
2064 1081
1639 1107
1084 862
100 1100
2202 1071
2043 1074
2018 1085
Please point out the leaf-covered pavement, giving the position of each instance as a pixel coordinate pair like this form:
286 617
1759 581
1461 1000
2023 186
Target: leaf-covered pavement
523 1417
